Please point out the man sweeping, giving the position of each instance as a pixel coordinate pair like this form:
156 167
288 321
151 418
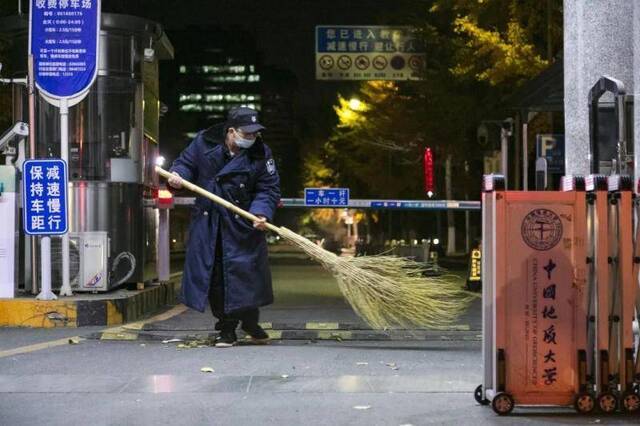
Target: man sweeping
226 259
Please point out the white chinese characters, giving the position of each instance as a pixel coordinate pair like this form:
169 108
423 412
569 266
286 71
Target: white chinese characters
45 198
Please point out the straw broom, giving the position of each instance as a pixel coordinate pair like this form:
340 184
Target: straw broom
385 291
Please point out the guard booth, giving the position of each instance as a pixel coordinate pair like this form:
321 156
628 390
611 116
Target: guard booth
113 148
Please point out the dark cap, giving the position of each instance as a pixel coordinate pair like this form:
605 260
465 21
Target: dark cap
245 119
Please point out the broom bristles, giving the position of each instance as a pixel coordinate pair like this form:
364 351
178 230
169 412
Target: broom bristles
389 291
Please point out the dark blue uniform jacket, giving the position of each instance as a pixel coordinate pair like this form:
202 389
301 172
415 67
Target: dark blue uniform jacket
250 180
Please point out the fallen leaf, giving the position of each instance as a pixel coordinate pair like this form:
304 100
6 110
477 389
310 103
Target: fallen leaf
284 376
74 341
182 345
171 341
207 370
361 407
391 364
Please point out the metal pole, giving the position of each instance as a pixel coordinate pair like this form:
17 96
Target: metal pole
65 289
163 246
504 147
525 156
46 293
33 242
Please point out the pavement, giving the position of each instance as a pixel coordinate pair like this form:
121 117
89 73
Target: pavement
76 376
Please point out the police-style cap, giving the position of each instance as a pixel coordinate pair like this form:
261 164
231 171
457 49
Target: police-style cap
245 119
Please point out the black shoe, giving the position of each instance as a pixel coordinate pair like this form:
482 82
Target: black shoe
256 334
226 339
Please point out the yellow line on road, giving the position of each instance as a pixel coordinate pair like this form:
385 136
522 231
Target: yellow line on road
39 346
115 331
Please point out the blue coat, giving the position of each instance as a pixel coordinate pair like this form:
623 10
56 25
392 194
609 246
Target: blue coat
249 180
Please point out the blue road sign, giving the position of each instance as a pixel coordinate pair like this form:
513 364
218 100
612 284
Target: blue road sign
326 197
44 197
371 52
63 38
551 147
371 38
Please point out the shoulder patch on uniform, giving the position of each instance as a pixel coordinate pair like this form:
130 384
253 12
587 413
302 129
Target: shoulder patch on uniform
271 166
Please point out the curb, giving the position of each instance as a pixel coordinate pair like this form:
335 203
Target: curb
132 332
28 312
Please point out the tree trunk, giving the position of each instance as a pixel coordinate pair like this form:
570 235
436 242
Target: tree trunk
451 226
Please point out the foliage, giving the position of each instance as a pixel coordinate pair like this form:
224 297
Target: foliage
494 57
478 53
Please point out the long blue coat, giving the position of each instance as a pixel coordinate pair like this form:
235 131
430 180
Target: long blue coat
249 180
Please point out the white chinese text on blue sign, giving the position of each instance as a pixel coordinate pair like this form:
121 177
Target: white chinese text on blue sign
326 197
63 39
44 195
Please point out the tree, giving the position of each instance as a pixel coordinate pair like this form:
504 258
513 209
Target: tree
479 52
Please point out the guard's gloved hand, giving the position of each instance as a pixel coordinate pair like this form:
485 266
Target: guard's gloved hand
175 180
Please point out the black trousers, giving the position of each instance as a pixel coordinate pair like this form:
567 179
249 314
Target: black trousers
227 321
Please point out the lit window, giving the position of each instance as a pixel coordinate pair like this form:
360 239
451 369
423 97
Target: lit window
253 77
214 107
213 98
183 69
191 107
228 78
190 97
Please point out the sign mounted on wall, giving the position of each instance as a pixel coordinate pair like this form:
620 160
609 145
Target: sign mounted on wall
348 52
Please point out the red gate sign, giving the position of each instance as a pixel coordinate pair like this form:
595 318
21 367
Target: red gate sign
428 172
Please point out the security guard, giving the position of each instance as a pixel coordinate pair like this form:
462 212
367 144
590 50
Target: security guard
226 258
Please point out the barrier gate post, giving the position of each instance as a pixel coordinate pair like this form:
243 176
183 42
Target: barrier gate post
624 292
596 186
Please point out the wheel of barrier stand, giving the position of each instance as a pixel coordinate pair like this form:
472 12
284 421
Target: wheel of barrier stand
479 396
584 403
630 402
608 403
502 403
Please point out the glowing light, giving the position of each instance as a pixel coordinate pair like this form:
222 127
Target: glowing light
160 161
355 104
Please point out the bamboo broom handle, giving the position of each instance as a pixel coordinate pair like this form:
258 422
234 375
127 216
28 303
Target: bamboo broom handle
213 197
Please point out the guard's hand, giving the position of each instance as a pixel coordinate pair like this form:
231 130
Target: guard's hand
261 223
175 180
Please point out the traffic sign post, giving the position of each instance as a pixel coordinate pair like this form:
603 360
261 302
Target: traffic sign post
44 201
64 38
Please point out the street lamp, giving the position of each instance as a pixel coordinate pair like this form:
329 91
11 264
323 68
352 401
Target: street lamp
355 104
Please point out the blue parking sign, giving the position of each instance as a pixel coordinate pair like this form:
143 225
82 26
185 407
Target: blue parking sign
326 197
63 39
44 197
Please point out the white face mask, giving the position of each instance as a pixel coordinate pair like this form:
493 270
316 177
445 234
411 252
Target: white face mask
242 142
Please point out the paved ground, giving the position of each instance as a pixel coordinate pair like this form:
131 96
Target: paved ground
417 380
